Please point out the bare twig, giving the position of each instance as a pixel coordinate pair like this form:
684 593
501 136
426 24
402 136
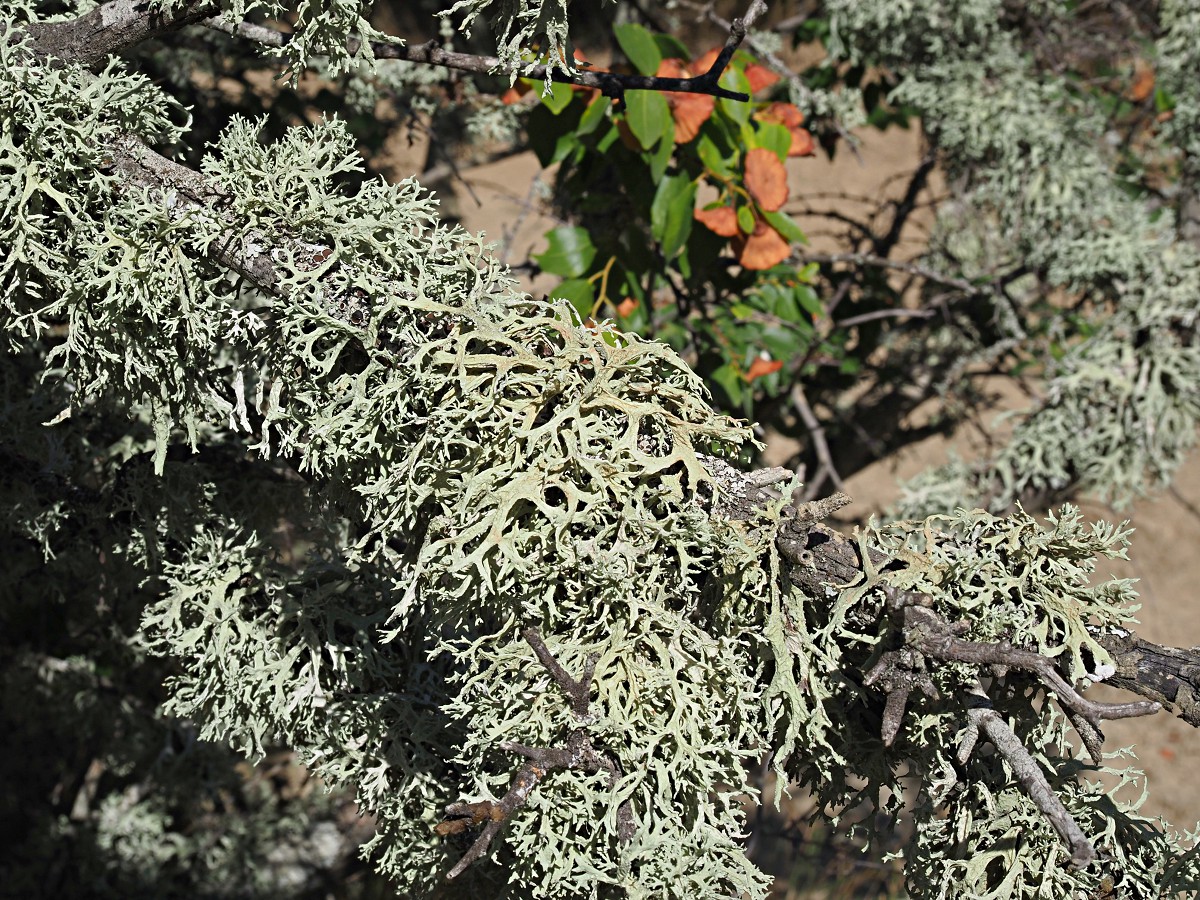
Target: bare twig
882 262
886 314
610 84
983 718
932 635
775 63
578 753
817 432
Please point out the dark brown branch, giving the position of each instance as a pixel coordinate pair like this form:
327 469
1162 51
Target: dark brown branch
928 632
819 555
1168 675
773 62
578 753
610 84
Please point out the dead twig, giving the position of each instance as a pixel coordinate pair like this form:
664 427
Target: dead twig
578 753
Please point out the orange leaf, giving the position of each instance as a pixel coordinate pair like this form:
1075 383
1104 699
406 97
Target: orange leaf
785 114
689 111
763 366
722 220
1143 81
766 178
626 307
760 77
802 143
515 93
704 63
671 68
762 249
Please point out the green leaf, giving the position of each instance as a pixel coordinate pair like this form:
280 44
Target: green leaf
553 137
661 157
745 220
728 377
671 213
558 98
649 116
639 45
570 253
784 225
774 137
734 79
671 46
579 292
809 300
592 116
714 158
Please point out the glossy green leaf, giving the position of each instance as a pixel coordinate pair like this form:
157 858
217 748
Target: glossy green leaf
774 137
557 99
593 115
792 233
661 157
579 292
714 158
639 46
734 79
730 380
809 300
552 137
570 252
671 213
671 47
745 219
649 116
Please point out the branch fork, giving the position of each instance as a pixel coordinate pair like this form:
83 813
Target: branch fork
578 753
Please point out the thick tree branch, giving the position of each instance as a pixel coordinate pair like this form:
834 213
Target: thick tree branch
819 555
110 29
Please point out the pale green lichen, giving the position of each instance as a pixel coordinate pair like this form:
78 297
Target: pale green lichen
408 461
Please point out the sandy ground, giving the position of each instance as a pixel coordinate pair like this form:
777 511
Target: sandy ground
501 200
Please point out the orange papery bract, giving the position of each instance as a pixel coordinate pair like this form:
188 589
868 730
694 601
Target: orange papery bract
722 220
791 118
764 248
627 306
760 77
802 143
689 111
761 367
766 179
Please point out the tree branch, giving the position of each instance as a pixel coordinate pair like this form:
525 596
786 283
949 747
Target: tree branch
110 29
578 753
610 84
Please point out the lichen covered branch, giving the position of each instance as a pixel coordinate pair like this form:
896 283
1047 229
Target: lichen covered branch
578 753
